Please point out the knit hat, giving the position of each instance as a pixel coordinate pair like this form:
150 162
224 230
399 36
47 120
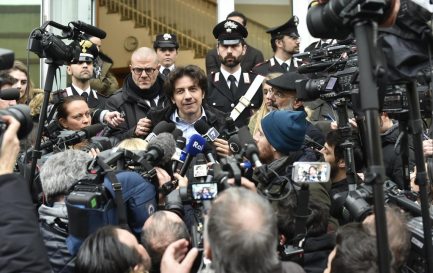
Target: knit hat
285 130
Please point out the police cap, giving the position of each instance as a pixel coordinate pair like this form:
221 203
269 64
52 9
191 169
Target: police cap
166 40
229 32
289 28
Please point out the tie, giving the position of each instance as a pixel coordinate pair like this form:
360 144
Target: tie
284 66
85 95
166 71
232 81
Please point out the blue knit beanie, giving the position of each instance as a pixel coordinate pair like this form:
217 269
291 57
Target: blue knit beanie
285 130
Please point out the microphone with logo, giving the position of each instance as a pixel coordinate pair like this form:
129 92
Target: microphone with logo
210 134
195 146
179 154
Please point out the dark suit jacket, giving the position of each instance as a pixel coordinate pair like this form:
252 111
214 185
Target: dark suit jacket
220 97
271 66
252 57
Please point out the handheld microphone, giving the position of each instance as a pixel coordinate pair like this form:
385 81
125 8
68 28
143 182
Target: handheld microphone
179 154
161 149
161 127
230 128
209 133
195 146
10 94
251 150
235 144
89 29
200 168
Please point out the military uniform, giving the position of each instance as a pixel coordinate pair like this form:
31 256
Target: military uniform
272 66
163 41
220 97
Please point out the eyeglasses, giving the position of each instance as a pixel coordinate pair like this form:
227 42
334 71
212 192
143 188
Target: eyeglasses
138 70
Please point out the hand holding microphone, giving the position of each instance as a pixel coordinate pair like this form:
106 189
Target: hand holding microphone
143 127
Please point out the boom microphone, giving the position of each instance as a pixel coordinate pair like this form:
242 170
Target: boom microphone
10 94
195 146
89 29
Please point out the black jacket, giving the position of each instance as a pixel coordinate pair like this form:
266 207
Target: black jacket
220 97
22 248
252 57
127 102
215 118
392 158
316 252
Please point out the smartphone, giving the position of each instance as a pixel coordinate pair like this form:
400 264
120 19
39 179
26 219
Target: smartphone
311 172
204 191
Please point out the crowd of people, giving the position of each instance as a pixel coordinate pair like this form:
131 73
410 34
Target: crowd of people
256 226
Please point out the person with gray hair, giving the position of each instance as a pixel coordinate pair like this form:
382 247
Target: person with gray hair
241 234
160 230
57 175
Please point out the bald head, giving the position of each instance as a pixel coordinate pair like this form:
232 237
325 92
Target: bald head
144 53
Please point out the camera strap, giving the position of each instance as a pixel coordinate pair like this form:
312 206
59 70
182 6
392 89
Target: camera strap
117 188
302 213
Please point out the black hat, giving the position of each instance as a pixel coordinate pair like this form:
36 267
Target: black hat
290 28
286 82
229 32
166 40
89 51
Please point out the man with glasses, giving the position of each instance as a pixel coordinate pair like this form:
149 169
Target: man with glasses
285 42
283 96
141 91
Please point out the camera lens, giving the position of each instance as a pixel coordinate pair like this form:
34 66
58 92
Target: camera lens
21 113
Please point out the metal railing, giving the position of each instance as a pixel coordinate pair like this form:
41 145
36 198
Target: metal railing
191 20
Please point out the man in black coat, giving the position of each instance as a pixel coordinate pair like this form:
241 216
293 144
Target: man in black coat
22 247
230 82
252 56
285 43
141 91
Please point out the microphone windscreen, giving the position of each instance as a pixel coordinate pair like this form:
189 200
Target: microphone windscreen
235 144
201 127
180 142
177 133
166 143
10 94
195 145
163 126
92 130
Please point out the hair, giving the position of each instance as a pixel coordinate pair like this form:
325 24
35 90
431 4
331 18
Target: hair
317 221
160 231
238 14
63 105
61 171
36 104
285 211
255 123
20 66
6 79
133 144
103 252
355 251
334 139
273 43
194 72
242 233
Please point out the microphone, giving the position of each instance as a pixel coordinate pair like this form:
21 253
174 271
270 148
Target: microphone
179 155
161 127
73 137
200 168
195 146
208 153
209 133
235 144
177 133
89 29
10 94
251 151
230 128
161 149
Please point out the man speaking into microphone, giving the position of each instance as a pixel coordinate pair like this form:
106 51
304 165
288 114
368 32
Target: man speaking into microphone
186 88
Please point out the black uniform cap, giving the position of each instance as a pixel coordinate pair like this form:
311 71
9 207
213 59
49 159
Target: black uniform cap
289 28
166 40
229 32
286 82
89 51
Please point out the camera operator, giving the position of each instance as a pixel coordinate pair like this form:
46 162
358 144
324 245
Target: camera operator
160 230
280 142
59 173
22 246
333 153
112 250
